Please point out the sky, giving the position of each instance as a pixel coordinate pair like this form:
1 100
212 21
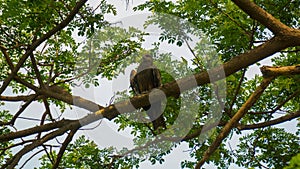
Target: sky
106 133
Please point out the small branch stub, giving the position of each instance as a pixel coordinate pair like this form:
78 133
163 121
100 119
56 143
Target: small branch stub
269 71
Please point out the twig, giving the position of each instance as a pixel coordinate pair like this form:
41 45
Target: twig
271 122
236 93
30 158
12 121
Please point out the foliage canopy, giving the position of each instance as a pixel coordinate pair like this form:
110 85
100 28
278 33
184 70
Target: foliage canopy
42 61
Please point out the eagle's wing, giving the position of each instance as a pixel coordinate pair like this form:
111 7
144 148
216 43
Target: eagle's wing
133 82
156 78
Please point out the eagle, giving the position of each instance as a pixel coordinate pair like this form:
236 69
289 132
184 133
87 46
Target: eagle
146 78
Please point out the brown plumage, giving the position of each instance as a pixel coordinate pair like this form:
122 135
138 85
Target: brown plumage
146 78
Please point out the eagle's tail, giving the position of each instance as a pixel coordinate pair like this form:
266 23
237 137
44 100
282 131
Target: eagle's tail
155 114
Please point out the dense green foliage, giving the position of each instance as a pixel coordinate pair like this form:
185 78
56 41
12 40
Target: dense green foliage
84 153
223 31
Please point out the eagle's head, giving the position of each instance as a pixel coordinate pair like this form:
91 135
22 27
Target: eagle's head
147 59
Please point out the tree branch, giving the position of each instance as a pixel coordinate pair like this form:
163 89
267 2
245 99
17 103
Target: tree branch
58 93
18 98
6 55
237 90
12 121
234 120
262 16
286 38
37 129
63 148
171 89
31 158
35 44
296 93
280 70
11 163
36 70
279 120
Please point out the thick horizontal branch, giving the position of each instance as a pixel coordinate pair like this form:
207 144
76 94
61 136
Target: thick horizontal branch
34 130
279 120
173 89
58 93
16 98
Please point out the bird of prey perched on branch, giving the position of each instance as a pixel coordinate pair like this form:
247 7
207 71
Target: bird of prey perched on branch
146 78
